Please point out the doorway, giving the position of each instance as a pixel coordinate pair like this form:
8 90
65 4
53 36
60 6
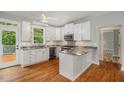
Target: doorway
110 44
8 44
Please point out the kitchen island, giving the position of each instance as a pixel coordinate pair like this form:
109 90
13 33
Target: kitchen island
73 63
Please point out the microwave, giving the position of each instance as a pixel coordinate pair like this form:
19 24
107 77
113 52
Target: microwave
69 37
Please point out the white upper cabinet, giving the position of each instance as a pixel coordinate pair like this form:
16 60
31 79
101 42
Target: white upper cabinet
86 31
47 33
69 28
50 34
62 33
26 31
53 34
82 31
78 32
58 32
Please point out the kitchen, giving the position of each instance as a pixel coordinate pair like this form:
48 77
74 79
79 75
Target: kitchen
71 39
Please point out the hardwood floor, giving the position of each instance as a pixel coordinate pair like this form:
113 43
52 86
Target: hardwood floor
48 72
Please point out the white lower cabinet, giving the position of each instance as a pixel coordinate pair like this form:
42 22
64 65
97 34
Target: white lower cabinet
58 49
29 57
89 57
25 58
39 55
33 56
46 53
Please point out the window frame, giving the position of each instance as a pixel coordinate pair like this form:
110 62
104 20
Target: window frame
40 27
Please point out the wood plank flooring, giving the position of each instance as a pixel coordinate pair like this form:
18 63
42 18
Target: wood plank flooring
49 72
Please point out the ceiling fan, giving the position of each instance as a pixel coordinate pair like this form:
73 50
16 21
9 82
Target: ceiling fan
44 19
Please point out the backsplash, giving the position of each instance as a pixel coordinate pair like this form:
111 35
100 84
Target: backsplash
84 43
76 43
26 44
56 43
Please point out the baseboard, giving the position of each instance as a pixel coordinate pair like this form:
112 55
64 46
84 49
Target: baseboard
1 67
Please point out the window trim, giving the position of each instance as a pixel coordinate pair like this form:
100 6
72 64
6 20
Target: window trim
40 27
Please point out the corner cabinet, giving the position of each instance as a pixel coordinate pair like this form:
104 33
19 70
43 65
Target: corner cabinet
82 31
26 31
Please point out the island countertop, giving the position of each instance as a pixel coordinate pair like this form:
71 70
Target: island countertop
78 51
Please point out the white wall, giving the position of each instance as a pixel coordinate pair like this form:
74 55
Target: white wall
116 18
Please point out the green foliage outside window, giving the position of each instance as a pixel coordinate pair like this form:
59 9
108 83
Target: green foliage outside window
8 38
7 24
38 35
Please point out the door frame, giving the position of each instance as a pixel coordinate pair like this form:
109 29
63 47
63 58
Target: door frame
17 30
101 41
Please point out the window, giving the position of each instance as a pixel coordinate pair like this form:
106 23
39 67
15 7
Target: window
9 42
8 37
38 35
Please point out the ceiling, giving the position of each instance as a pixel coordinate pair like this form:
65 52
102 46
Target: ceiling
63 17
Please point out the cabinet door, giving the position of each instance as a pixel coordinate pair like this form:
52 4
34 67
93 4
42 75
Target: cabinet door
62 33
33 56
42 55
47 34
50 34
26 31
69 28
86 30
58 37
46 54
89 57
53 33
77 32
66 68
77 65
66 29
25 58
58 49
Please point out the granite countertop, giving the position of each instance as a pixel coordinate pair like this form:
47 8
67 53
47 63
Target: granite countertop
54 45
78 51
32 47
